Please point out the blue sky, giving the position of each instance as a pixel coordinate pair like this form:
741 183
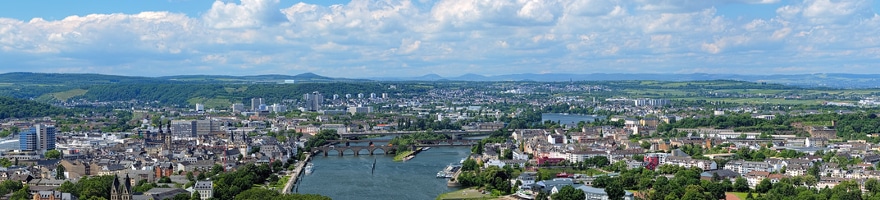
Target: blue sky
381 38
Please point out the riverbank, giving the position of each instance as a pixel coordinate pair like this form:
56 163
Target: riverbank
406 155
350 177
467 193
295 174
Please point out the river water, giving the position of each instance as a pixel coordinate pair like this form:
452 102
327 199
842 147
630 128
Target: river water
570 120
348 177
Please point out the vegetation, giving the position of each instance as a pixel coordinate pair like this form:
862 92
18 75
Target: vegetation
89 187
570 193
53 154
403 142
321 138
265 194
17 108
494 179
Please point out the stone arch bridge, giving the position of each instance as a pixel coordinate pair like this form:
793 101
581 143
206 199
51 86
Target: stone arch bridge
340 147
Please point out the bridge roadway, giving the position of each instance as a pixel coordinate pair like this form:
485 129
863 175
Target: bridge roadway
300 166
386 149
478 131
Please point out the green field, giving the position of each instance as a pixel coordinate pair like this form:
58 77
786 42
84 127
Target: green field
211 103
61 96
467 193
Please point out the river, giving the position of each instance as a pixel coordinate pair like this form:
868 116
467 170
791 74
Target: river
348 177
569 120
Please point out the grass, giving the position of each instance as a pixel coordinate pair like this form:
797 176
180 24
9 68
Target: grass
64 96
399 157
741 195
281 182
467 193
210 103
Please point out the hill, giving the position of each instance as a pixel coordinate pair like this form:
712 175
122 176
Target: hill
18 108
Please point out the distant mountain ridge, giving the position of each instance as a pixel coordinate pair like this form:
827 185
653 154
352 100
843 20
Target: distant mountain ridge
833 80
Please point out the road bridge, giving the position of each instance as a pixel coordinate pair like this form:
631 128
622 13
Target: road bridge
448 132
344 146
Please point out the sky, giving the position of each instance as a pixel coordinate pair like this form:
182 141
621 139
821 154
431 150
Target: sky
385 38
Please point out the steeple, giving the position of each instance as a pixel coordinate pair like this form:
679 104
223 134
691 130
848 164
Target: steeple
168 136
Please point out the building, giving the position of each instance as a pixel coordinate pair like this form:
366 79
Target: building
121 190
651 102
363 110
38 138
255 103
599 193
52 195
200 107
313 101
237 108
744 167
205 189
195 128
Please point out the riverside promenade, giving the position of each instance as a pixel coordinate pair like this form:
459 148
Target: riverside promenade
300 166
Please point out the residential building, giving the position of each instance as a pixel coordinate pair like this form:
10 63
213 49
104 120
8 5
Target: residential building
205 189
313 101
255 103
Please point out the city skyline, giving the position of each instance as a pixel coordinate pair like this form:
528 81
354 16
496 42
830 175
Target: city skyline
362 39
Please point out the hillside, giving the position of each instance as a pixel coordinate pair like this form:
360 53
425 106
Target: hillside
18 108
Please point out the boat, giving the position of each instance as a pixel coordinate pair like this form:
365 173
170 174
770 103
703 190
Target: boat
309 168
426 148
449 171
441 174
409 157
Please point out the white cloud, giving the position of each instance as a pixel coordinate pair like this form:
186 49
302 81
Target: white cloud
372 37
248 14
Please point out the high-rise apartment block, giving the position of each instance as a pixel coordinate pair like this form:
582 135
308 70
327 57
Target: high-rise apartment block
313 101
256 102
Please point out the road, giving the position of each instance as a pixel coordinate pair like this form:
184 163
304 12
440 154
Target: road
300 166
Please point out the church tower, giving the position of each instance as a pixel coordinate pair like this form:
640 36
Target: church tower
121 190
168 137
156 137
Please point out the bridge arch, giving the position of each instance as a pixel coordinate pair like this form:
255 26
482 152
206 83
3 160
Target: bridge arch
352 150
364 151
378 150
332 152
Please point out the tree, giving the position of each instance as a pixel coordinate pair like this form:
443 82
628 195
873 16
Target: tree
716 189
694 192
873 186
469 165
614 190
740 185
848 190
59 172
602 181
764 186
23 193
195 196
53 154
541 196
569 193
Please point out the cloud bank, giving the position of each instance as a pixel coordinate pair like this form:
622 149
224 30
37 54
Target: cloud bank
375 38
